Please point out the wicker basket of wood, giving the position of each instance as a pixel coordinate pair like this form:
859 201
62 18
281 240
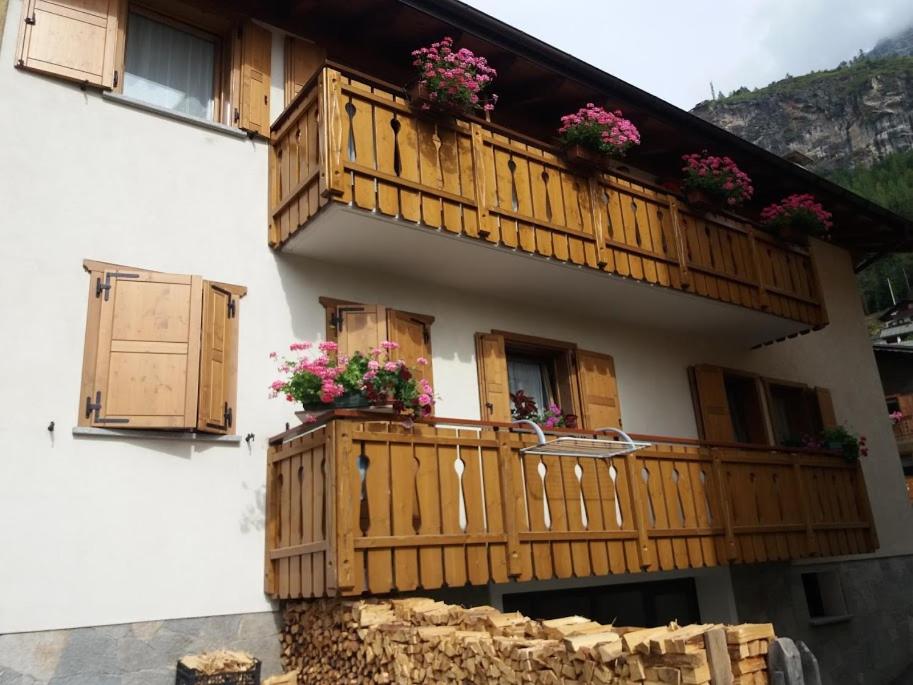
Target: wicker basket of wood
221 667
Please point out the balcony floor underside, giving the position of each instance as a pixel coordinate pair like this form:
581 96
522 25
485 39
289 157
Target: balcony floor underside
348 236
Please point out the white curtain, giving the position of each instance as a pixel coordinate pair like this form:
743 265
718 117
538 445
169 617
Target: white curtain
168 67
527 376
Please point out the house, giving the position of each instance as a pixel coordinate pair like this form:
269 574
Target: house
189 186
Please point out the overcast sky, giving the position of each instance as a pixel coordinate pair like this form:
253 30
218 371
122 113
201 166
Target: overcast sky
674 49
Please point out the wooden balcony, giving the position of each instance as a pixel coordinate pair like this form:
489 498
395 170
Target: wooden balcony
354 142
361 505
903 434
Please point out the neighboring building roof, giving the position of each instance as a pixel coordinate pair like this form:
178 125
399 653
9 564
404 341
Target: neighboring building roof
538 83
904 308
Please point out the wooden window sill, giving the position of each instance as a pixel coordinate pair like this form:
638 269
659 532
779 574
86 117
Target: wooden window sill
119 99
830 620
148 434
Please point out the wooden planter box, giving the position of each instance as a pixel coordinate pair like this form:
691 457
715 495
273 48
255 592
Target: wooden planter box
585 159
790 234
190 676
701 200
420 99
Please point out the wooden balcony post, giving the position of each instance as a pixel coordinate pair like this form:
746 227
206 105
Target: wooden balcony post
509 499
270 585
763 297
638 507
331 134
732 548
864 505
481 182
801 488
681 247
344 499
597 214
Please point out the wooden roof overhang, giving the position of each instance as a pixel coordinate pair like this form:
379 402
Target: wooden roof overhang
538 83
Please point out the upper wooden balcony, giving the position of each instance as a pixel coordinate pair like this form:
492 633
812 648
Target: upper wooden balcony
348 141
361 504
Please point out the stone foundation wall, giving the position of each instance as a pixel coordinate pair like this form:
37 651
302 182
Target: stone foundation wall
871 645
135 653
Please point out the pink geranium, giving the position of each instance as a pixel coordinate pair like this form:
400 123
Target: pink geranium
455 77
801 211
719 176
595 128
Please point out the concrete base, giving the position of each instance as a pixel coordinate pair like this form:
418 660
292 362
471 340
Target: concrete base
134 653
872 644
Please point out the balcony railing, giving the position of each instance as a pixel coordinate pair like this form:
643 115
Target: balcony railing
903 430
361 504
358 142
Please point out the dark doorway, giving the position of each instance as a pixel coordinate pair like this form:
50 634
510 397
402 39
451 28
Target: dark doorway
634 604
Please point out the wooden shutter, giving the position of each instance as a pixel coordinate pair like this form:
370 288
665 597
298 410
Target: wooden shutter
219 358
599 403
413 333
826 408
302 60
359 327
256 55
75 39
147 354
494 388
714 418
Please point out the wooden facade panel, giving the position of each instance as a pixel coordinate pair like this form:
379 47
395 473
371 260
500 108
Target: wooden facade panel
473 179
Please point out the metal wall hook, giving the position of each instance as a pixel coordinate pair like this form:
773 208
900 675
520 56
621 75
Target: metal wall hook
51 427
249 438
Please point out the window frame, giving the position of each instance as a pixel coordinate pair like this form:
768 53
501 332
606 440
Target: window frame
815 417
211 31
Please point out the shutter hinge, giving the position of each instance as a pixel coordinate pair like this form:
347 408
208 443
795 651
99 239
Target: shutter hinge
237 115
227 415
336 321
30 20
96 408
115 78
106 286
231 308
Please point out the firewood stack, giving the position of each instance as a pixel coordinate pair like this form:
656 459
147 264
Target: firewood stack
420 640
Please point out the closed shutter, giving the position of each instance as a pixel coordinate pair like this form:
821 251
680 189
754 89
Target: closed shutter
218 358
148 350
413 333
826 408
359 327
256 55
494 388
75 39
715 420
302 60
598 390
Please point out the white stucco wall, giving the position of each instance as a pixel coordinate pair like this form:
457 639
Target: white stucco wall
96 531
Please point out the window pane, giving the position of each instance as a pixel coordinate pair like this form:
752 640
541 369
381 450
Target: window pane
169 68
527 376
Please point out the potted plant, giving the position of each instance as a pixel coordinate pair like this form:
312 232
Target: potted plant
839 439
797 217
593 135
328 380
451 81
525 408
711 181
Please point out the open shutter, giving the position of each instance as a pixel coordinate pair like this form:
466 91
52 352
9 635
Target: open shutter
359 327
413 333
75 39
598 390
148 349
712 404
826 408
218 358
256 55
494 388
302 60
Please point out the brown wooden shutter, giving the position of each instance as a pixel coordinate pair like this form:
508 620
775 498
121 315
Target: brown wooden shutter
219 358
598 390
75 39
714 418
147 354
494 388
826 408
359 327
302 60
256 55
413 333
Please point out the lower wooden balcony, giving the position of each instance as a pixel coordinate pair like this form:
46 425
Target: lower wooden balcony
357 504
349 142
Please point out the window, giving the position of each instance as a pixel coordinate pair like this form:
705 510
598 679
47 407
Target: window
893 404
581 383
794 413
824 596
160 351
172 66
203 63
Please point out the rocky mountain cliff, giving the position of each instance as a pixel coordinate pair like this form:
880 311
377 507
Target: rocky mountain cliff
847 117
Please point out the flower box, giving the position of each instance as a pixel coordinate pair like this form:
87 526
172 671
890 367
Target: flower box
421 100
186 675
790 233
584 159
700 200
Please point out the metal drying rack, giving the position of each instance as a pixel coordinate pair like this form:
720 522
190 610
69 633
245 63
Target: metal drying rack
575 446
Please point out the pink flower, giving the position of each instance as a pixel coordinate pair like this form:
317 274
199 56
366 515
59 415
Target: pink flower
373 365
328 346
309 418
299 346
424 400
421 361
389 345
273 355
391 366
